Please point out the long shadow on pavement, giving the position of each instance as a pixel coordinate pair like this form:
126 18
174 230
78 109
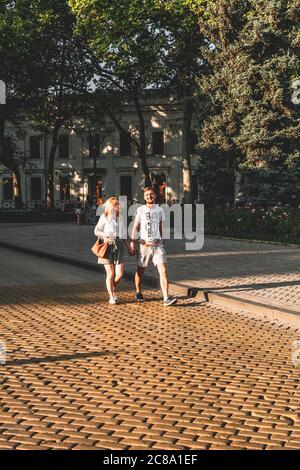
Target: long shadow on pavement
57 294
60 358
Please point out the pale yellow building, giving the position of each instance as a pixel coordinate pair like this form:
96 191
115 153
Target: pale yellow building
118 168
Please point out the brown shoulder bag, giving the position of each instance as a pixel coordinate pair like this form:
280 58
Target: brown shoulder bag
100 249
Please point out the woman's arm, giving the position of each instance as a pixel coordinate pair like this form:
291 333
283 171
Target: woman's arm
99 229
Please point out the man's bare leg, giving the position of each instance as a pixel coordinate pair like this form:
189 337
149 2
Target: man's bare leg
164 281
138 279
119 271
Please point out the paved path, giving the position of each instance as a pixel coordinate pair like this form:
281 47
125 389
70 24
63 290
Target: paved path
24 269
82 374
265 273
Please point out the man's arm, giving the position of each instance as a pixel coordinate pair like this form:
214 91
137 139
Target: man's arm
161 222
135 230
161 228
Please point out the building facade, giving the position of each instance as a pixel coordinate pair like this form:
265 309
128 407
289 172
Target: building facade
104 151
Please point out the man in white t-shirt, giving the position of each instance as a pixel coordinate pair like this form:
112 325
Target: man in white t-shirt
148 220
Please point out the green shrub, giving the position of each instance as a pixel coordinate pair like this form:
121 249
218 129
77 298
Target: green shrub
278 224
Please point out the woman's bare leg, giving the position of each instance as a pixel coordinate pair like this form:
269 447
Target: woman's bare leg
110 276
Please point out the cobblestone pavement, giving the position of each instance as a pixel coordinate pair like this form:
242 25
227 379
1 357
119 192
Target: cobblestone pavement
81 374
262 272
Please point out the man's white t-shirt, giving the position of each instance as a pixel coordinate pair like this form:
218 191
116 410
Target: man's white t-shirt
149 220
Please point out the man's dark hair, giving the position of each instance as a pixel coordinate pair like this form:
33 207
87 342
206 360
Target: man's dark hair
149 188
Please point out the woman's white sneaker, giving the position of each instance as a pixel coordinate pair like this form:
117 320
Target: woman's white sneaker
112 301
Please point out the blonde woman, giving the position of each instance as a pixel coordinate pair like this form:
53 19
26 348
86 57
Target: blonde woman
111 227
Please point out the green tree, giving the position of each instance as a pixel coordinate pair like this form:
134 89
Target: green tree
127 51
10 157
184 62
248 117
13 56
142 44
55 70
64 74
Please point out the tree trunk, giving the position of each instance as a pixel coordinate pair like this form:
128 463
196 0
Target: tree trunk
142 156
45 170
7 160
50 173
142 143
186 150
237 186
2 127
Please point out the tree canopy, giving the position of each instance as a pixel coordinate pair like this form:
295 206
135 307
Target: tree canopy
231 62
45 66
253 54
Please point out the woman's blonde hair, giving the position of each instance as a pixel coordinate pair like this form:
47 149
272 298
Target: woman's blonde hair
110 205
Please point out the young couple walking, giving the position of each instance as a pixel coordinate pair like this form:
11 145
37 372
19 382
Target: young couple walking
148 221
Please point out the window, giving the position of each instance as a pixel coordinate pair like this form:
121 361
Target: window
36 188
63 146
8 193
64 188
95 187
35 147
158 145
126 186
7 146
125 145
94 146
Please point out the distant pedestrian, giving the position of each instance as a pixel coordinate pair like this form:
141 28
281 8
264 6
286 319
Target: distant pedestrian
100 207
148 220
111 229
78 210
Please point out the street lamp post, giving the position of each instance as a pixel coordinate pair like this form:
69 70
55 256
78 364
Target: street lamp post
91 140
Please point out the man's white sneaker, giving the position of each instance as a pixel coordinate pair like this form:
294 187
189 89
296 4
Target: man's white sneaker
170 301
112 301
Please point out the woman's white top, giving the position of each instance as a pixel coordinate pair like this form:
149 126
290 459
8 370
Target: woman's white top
110 227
